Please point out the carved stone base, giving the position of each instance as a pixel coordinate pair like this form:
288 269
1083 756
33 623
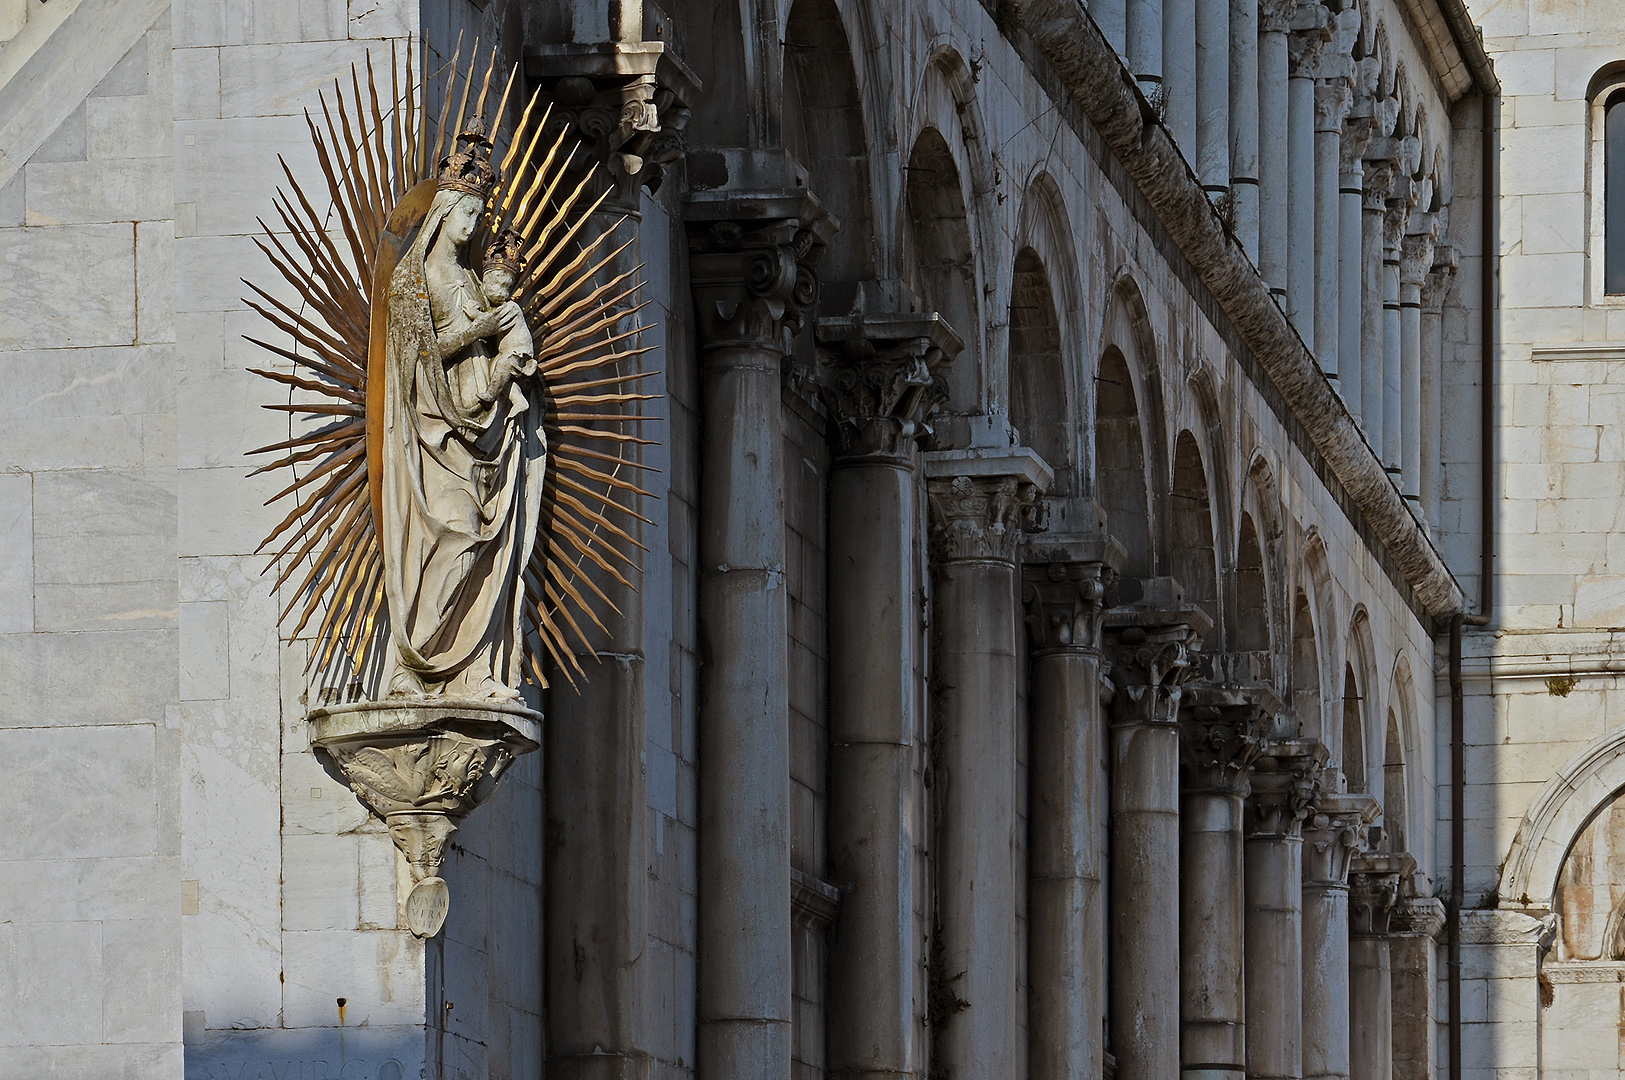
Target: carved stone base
422 766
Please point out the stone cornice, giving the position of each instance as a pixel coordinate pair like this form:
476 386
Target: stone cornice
1091 72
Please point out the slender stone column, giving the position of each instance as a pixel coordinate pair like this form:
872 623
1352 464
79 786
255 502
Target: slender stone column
1244 123
1273 19
1064 589
1285 781
1143 33
1350 261
1179 52
1413 955
1334 833
879 380
751 282
1213 95
1111 16
1393 233
1150 650
1434 289
1416 259
1379 179
1373 890
1304 47
977 507
1332 100
1221 729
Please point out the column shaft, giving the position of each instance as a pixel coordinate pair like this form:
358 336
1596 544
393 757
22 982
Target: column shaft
1301 207
1244 129
1213 95
1350 370
1371 320
1332 836
1413 964
1392 364
976 522
1143 32
1331 102
1272 148
1433 292
1410 399
1374 888
1179 55
1111 16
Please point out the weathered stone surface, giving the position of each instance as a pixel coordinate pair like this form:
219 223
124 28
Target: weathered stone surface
92 264
112 771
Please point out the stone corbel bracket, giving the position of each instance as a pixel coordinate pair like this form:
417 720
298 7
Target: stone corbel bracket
628 102
422 767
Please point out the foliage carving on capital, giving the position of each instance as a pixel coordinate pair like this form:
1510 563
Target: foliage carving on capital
882 395
1373 892
1357 133
1286 779
1416 257
752 283
1436 286
1333 97
1065 603
1149 669
979 517
628 121
1219 744
1330 842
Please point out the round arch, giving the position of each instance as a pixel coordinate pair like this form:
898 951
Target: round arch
1556 818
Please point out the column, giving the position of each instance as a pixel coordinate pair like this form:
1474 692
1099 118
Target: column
1285 781
1393 234
1304 46
978 504
877 381
1351 260
1416 259
1064 589
1413 928
1332 100
1179 52
1244 124
1373 890
1150 648
1142 29
1273 16
1220 730
1434 290
1379 178
1213 95
1111 16
1334 833
752 273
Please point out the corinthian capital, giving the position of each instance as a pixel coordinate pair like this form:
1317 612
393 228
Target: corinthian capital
1332 100
978 517
1152 647
881 379
1416 254
1065 601
1286 780
1221 733
1374 881
1336 830
1357 133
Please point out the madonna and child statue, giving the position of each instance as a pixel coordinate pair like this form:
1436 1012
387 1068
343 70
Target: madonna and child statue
458 403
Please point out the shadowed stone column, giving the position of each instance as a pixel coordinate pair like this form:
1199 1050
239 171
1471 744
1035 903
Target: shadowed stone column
978 502
1143 35
1413 966
1286 779
1179 51
1244 123
1221 729
1416 259
1150 650
1373 891
1350 259
1393 238
1434 290
1064 588
751 283
1111 16
1273 19
1305 45
1334 833
1379 180
1332 99
1213 95
879 381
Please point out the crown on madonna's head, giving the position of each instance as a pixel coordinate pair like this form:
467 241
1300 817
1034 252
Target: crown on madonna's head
468 167
508 250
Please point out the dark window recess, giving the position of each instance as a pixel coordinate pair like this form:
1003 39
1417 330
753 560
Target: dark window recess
1614 194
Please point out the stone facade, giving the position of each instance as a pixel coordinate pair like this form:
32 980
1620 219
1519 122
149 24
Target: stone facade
1040 663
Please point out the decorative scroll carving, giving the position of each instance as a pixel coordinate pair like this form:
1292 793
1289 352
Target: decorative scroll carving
1286 779
1416 916
1436 286
1373 892
753 281
1222 731
979 517
1336 831
1380 177
422 769
1149 668
1065 603
882 378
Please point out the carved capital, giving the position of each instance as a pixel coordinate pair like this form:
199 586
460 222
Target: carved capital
1373 892
1357 133
626 101
1286 780
1436 286
423 766
1221 733
1416 916
1311 32
1416 257
1332 100
1065 603
1275 16
1149 669
1380 178
979 517
1333 834
755 280
882 378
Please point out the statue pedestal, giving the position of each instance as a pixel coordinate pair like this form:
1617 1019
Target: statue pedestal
423 764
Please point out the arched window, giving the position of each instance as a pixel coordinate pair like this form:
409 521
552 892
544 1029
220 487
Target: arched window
1613 152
